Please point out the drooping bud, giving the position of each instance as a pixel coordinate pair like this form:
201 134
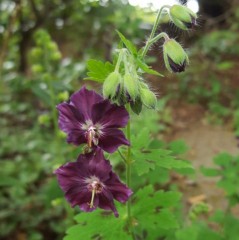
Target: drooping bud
183 17
111 85
175 57
148 98
131 86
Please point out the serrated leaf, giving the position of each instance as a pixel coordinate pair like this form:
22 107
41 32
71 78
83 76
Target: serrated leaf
150 158
139 139
98 70
163 158
151 208
144 166
96 225
178 146
147 69
130 46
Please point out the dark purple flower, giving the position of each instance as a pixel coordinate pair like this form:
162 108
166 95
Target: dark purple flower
90 183
88 118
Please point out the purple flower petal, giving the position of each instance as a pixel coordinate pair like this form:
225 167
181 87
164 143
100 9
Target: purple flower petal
84 100
111 139
69 117
107 202
110 115
99 110
119 190
96 163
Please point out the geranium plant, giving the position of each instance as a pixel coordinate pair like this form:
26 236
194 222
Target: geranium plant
95 120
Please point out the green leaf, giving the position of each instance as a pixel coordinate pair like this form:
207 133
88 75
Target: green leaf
210 172
127 43
150 158
178 147
98 70
223 159
139 139
191 231
146 68
97 225
163 158
152 210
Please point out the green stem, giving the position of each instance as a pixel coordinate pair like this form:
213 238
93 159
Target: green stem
128 175
122 156
120 58
156 23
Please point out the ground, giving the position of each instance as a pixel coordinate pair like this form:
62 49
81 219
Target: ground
205 141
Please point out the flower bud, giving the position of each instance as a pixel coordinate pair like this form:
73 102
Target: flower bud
183 17
37 68
131 86
175 57
44 119
63 96
111 85
148 98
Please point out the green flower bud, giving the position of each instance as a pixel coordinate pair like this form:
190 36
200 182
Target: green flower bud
131 86
63 96
44 119
52 46
36 53
175 57
55 56
183 17
111 85
148 98
37 68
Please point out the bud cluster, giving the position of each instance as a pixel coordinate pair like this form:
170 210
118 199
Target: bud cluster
125 85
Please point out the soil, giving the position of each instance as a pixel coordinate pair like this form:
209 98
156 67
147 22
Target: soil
205 142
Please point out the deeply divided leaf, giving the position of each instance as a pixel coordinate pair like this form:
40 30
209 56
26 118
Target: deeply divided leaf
98 225
98 70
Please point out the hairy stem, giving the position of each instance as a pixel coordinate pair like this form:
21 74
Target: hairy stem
128 176
156 23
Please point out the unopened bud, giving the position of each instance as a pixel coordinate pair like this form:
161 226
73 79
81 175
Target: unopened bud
111 85
175 57
44 119
148 98
63 96
37 68
183 17
131 86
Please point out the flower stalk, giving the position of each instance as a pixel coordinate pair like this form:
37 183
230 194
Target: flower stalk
128 174
156 23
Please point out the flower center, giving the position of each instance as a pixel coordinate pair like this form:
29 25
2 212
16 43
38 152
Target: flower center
92 133
92 136
95 186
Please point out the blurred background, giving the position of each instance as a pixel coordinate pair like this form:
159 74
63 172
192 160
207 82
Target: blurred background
44 49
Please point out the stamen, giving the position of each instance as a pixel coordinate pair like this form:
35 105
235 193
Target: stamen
92 198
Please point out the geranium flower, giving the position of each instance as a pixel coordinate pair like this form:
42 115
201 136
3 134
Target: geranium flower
90 183
88 118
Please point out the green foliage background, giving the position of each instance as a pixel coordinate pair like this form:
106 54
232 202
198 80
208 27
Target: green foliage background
45 46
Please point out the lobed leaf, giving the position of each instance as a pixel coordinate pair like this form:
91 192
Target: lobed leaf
97 225
98 70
